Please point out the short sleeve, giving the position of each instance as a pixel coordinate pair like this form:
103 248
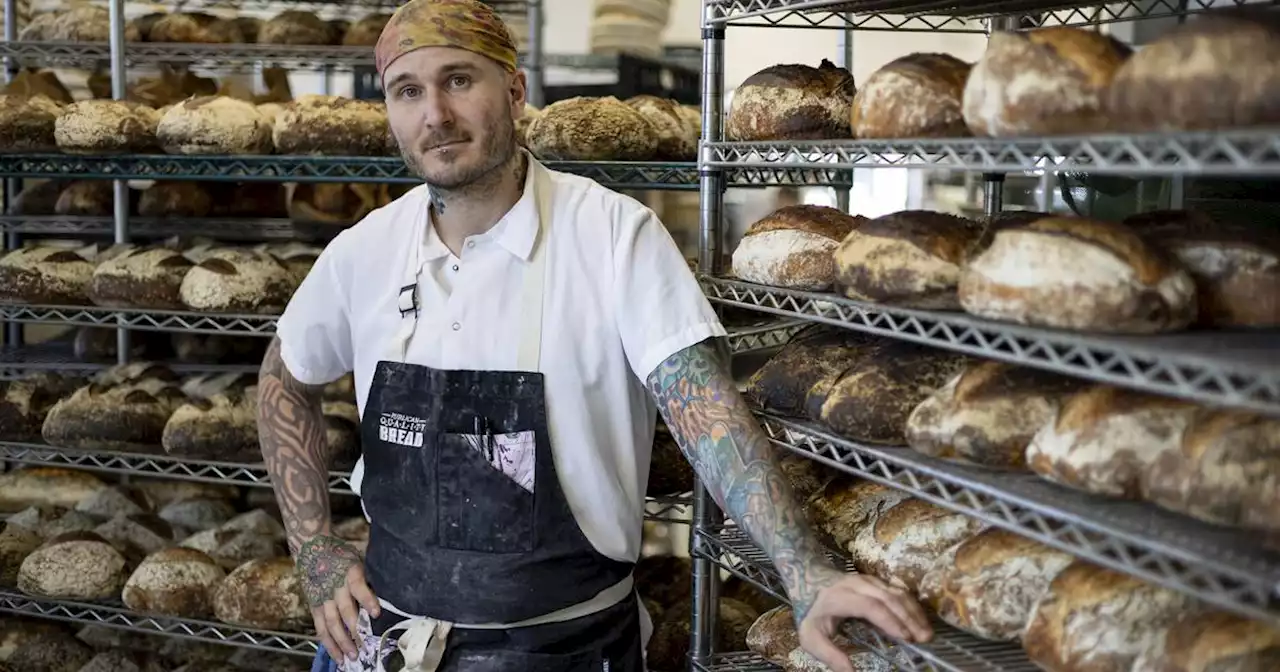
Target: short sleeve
661 309
315 330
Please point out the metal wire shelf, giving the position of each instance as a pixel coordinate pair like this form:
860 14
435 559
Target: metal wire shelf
1240 368
247 229
113 614
149 320
17 361
1235 152
736 662
763 337
949 651
1223 567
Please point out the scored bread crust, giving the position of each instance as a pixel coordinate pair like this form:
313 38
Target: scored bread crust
916 96
331 125
27 123
792 102
592 129
106 126
214 125
911 258
793 247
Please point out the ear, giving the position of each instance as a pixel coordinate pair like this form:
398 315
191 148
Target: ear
519 93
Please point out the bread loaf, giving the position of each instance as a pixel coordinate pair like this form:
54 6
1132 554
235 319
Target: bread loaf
843 508
87 198
342 434
214 125
988 584
24 402
174 582
195 27
249 199
296 27
1223 471
315 124
50 521
104 638
45 275
911 258
904 541
16 631
783 382
297 257
1074 273
774 637
45 486
120 661
238 281
77 566
341 204
674 141
27 123
1042 82
1095 619
1213 642
146 277
1104 439
106 126
127 416
39 28
83 23
202 348
792 102
669 646
989 413
55 651
37 198
136 536
197 514
175 199
114 501
139 29
1212 73
263 594
873 398
165 492
793 246
805 476
592 129
365 32
522 124
16 543
915 96
231 548
222 427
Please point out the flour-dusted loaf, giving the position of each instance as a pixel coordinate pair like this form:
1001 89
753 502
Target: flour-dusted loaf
1042 82
87 198
1075 273
125 408
1213 641
316 124
106 126
115 501
236 280
1105 439
1218 71
82 23
1096 619
1225 470
522 123
195 27
911 258
792 247
783 383
45 275
24 402
774 637
843 508
297 256
792 102
674 142
366 31
592 129
221 427
989 413
176 199
872 400
906 539
296 27
263 594
16 543
988 584
340 204
232 548
915 96
214 125
165 492
137 536
144 277
77 566
45 486
27 123
174 582
55 651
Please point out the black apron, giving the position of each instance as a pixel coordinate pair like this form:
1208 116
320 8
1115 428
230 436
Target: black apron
469 526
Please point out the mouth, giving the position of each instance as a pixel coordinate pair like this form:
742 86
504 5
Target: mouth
445 146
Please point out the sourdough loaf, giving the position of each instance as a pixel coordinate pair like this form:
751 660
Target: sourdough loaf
88 198
24 402
27 123
988 413
911 258
792 247
774 637
55 651
792 102
214 125
238 281
195 27
145 277
669 470
174 582
844 508
1218 71
15 631
1042 82
674 141
1095 619
1104 439
48 520
137 536
45 486
175 199
249 199
263 594
112 501
138 29
107 415
38 28
83 23
232 548
805 476
341 204
165 492
1075 273
296 27
365 32
522 123
781 385
16 543
221 427
197 514
77 566
37 198
298 257
45 275
904 541
1223 471
106 126
592 129
1213 642
988 584
315 124
915 96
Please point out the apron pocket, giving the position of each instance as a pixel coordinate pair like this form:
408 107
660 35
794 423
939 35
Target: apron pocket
486 486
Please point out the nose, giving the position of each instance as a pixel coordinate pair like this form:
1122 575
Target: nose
436 111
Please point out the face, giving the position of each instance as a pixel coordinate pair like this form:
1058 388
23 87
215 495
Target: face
453 113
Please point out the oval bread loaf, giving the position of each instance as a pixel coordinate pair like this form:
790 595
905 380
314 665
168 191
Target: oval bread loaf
792 102
592 129
45 275
145 277
915 96
783 383
77 566
83 23
177 582
45 486
366 31
263 594
115 501
842 509
37 198
793 246
196 28
86 198
1213 642
137 536
127 416
214 125
905 540
222 427
27 123
237 280
315 124
24 402
674 140
296 27
911 258
106 126
16 543
175 199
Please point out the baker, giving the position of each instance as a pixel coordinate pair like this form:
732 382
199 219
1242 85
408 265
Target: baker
511 330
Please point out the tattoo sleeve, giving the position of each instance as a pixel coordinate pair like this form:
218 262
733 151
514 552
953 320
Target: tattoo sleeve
737 464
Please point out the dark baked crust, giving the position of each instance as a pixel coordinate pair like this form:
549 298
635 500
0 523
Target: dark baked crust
248 199
212 441
366 31
31 286
917 95
41 199
296 27
175 199
86 198
123 291
755 114
784 382
333 126
817 219
26 124
883 277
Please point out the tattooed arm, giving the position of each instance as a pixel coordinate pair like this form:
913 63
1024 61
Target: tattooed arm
728 449
291 430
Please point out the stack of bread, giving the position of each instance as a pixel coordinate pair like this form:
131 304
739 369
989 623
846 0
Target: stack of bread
292 27
629 26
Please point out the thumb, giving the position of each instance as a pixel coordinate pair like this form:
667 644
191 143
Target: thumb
820 646
360 590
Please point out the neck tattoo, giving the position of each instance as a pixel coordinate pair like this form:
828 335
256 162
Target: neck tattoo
437 199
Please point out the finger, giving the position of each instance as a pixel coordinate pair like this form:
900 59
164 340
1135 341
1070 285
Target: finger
322 632
347 609
871 609
918 618
360 590
338 631
901 606
820 646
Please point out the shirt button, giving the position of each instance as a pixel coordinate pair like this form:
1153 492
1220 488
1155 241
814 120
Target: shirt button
455 268
471 243
456 326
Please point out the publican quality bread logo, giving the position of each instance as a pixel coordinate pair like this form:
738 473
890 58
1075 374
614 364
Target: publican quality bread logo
400 429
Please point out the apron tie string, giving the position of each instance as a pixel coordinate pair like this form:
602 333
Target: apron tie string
422 644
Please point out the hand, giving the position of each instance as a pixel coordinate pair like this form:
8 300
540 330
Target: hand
333 579
888 608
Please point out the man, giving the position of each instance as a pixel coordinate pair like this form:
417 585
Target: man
510 329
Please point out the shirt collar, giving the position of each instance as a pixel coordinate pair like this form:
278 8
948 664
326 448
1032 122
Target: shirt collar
516 232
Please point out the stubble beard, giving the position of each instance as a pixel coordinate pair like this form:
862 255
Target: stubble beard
499 151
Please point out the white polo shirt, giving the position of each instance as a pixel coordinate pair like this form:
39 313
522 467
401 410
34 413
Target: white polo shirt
619 299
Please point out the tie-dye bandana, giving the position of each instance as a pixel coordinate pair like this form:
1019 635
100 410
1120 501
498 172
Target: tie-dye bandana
465 24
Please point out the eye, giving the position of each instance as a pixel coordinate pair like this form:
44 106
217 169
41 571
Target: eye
408 92
459 81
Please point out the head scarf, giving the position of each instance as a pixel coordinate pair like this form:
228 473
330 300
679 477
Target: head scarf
465 24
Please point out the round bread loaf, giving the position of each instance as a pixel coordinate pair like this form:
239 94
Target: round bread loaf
86 198
136 536
77 566
844 508
106 126
793 246
164 492
989 413
25 401
296 27
1074 273
27 124
214 125
591 129
16 543
1104 439
987 585
32 83
341 204
175 199
114 501
522 124
45 275
237 280
1042 82
792 102
197 514
177 582
263 594
669 646
127 417
139 29
223 427
83 23
39 28
916 96
674 142
315 124
1212 73
905 540
782 384
1213 642
232 548
911 258
146 277
366 31
54 650
1095 619
40 198
249 199
195 27
773 635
